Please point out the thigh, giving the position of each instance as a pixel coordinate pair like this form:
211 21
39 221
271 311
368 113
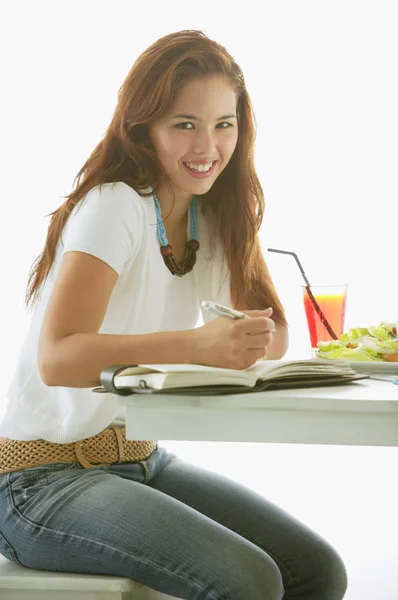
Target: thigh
310 567
94 521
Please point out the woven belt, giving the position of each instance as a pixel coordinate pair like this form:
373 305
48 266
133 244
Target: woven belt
107 447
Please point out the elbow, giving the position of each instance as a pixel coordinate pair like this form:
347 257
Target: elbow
284 340
46 365
46 372
280 343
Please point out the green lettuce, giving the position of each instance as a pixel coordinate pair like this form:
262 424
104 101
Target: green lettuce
387 347
351 354
383 332
330 345
353 334
372 343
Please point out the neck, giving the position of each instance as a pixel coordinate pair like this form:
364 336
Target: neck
174 210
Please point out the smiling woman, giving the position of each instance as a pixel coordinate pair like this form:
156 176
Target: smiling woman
209 85
201 151
120 282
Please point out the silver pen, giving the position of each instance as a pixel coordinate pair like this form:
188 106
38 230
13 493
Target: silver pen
223 311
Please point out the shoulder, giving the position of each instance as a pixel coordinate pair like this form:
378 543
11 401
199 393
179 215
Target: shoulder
113 198
112 207
109 222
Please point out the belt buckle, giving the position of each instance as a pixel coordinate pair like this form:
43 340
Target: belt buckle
79 450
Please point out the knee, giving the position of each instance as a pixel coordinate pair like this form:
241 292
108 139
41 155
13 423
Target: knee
338 576
331 577
255 577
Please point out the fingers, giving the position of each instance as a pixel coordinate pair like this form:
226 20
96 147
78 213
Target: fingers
260 340
236 343
255 325
267 312
252 355
258 331
257 314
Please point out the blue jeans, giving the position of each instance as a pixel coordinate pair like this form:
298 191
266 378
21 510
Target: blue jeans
174 527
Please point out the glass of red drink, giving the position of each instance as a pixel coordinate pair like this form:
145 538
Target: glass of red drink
331 300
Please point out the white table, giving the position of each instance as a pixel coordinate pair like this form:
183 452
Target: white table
364 413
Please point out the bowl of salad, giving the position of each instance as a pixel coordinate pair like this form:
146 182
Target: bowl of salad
364 344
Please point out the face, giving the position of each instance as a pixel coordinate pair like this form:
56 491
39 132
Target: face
199 130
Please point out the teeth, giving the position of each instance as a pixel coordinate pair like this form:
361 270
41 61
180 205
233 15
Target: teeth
199 167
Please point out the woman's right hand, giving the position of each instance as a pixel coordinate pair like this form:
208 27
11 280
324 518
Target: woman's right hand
234 343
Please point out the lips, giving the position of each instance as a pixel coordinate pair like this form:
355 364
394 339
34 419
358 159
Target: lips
200 174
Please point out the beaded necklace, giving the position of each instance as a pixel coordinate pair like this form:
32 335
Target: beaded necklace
187 263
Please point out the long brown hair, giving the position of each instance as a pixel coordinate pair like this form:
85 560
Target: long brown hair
126 153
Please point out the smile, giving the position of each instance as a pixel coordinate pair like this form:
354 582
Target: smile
200 171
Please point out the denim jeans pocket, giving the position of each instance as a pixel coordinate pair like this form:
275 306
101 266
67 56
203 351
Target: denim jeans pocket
25 487
28 482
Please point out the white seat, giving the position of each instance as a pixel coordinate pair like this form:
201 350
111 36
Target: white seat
20 583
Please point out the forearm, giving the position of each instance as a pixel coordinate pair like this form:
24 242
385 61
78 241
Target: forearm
77 360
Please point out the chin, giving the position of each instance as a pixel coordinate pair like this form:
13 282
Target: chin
198 188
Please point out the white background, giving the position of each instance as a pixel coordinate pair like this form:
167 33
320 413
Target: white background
322 77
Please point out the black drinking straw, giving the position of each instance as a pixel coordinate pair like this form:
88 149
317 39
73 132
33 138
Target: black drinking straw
322 317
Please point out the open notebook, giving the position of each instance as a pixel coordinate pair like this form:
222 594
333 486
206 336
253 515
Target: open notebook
202 380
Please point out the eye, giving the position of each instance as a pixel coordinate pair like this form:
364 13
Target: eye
182 125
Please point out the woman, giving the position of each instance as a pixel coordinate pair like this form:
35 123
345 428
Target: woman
165 214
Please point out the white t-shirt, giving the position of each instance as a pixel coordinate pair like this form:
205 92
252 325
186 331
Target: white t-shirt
118 226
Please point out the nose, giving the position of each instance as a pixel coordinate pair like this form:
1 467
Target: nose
204 142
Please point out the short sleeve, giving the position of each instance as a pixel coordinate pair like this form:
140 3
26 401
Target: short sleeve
108 224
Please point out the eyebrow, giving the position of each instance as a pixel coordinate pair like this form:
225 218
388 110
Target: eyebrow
193 118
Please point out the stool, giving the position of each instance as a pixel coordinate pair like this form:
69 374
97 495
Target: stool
20 583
